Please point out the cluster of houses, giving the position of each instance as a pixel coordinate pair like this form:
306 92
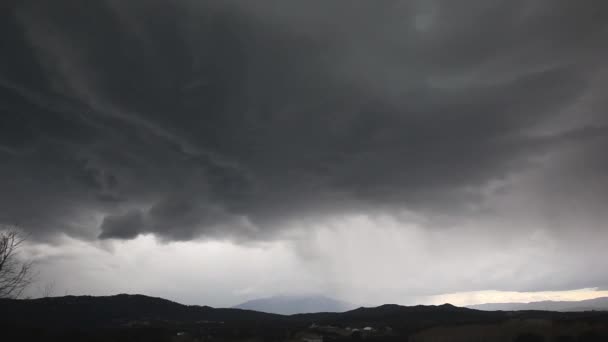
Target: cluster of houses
319 333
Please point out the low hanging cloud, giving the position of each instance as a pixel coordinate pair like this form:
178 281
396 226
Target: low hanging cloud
240 120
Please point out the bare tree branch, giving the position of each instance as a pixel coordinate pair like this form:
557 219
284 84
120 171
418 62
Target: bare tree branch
15 274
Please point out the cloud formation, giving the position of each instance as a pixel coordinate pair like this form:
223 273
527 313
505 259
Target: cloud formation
375 151
193 118
249 121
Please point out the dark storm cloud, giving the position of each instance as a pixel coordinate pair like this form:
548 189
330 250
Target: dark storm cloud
127 226
230 119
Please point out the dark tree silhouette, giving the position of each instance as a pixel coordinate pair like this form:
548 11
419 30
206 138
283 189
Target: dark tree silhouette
14 274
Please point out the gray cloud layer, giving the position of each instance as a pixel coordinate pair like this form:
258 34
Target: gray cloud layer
232 119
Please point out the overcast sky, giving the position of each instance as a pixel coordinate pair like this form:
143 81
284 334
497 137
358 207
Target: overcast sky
213 152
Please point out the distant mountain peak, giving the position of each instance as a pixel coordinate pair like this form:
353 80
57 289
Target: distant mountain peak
295 304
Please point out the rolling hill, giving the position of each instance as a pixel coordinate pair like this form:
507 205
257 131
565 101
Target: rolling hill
597 304
141 318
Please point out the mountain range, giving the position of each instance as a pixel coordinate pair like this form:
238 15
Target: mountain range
140 318
597 304
88 312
